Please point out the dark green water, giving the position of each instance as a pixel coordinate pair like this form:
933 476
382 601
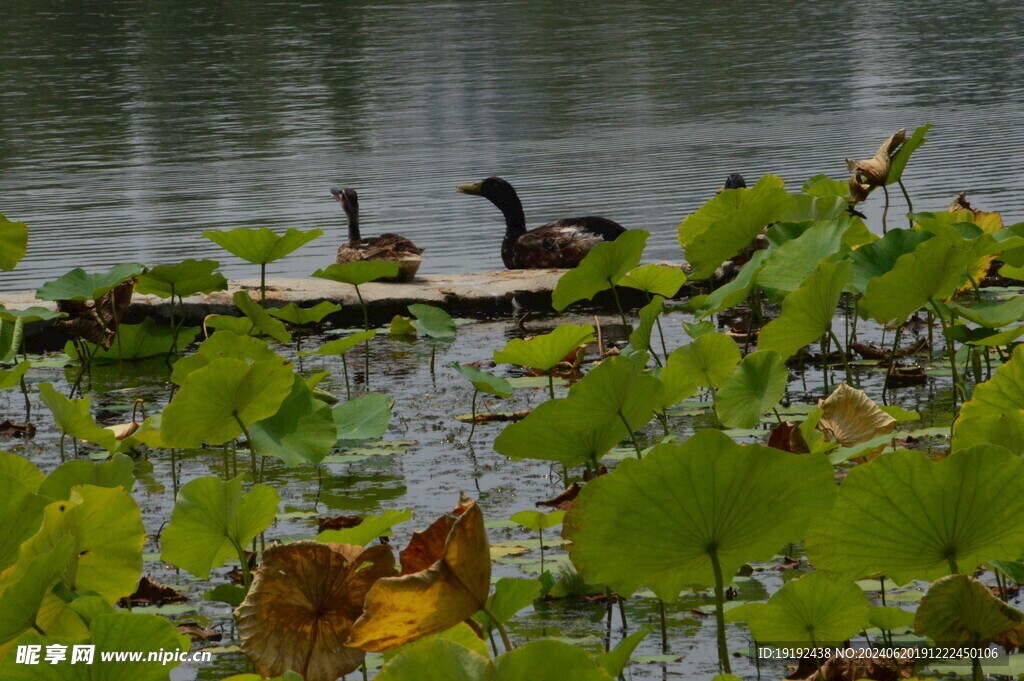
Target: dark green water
128 127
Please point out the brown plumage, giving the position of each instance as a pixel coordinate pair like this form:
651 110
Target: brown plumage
389 247
563 243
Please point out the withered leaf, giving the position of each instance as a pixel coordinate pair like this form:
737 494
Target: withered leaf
850 417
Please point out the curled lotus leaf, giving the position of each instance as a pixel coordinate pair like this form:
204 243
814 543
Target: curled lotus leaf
849 417
302 604
875 170
961 609
403 609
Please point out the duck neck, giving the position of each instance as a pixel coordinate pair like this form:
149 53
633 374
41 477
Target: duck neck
512 208
353 226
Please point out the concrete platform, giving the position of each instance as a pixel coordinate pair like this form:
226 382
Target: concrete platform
481 294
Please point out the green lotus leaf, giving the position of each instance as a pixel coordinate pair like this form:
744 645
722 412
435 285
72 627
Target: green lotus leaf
370 528
73 417
697 329
511 594
913 518
552 433
537 520
30 314
13 243
12 336
934 270
640 339
757 385
105 525
11 377
729 222
813 610
804 207
676 383
22 511
116 472
110 633
22 470
217 400
340 346
137 341
614 661
436 660
877 258
733 292
890 618
806 312
961 609
602 268
303 316
663 521
618 389
791 262
363 418
548 660
1001 394
990 313
359 272
261 246
219 345
462 634
659 280
20 599
432 321
401 326
302 430
484 381
1005 430
212 520
183 279
545 351
709 360
902 155
78 285
823 185
260 318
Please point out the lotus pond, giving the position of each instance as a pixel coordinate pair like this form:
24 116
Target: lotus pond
822 452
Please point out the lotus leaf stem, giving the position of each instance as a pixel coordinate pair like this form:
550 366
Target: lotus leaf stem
906 197
472 428
246 577
723 648
499 626
842 355
252 450
632 436
551 382
885 211
618 305
951 352
664 626
263 284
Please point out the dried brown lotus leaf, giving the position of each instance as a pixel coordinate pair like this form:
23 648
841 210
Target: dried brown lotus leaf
425 548
302 604
850 417
875 170
406 608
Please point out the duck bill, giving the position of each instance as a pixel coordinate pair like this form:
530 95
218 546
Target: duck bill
475 189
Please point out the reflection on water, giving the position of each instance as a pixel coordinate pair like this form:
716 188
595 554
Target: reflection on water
128 131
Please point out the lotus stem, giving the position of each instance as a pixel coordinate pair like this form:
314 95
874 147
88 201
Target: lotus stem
843 356
540 534
117 331
28 402
551 382
977 674
622 612
252 450
36 626
618 305
499 626
348 386
951 352
472 428
246 577
885 211
723 648
366 314
906 197
263 284
664 347
664 626
953 569
632 436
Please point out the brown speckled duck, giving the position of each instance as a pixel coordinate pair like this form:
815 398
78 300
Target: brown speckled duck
389 247
562 243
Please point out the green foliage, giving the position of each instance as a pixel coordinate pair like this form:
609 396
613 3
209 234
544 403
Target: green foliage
117 472
221 344
635 527
217 400
536 520
757 385
261 246
137 341
432 321
813 610
902 155
511 594
359 272
21 599
484 381
363 418
961 609
1002 394
370 528
602 268
304 316
791 262
807 312
302 430
212 520
13 243
184 279
22 510
545 351
79 285
640 339
912 518
877 258
340 346
709 360
260 318
74 417
658 280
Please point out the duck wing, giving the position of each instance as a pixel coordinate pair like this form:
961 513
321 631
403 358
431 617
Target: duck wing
563 243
